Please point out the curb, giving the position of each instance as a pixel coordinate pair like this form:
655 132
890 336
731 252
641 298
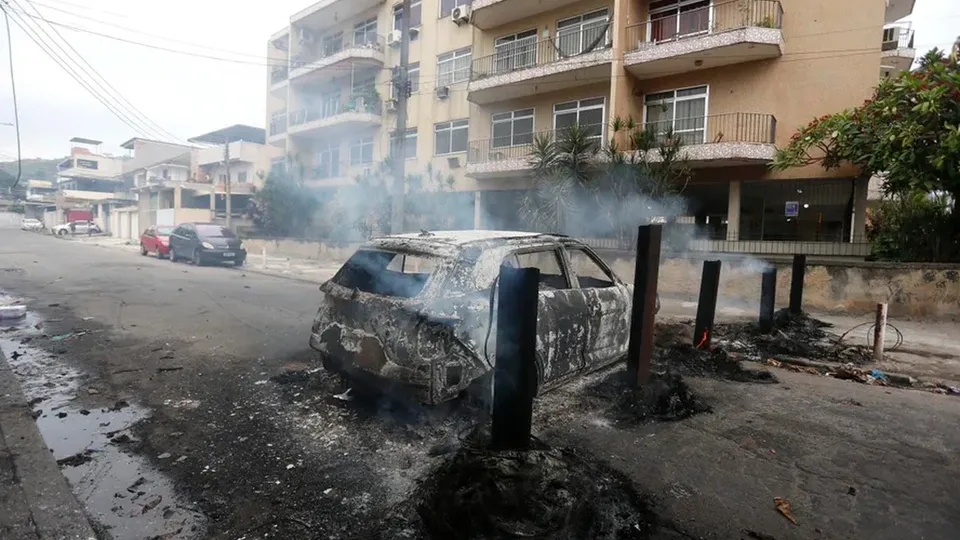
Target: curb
39 503
258 271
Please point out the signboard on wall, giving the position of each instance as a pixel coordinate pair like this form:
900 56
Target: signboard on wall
792 209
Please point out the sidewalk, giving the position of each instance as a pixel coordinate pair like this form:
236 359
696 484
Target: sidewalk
35 501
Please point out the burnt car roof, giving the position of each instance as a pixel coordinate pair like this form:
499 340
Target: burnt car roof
444 240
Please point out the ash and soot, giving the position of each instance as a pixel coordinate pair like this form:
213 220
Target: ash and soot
546 493
665 397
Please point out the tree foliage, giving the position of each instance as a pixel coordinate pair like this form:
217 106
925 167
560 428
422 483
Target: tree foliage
583 187
912 227
908 132
284 206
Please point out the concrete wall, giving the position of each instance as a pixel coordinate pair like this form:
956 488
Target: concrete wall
10 220
299 249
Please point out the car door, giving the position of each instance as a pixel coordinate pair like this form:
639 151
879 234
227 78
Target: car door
559 337
606 320
148 240
178 241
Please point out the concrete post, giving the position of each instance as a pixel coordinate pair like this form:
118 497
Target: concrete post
478 210
213 202
860 191
177 197
733 212
879 332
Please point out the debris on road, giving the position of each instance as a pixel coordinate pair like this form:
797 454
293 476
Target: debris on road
13 312
62 337
169 368
665 397
783 505
152 503
686 359
345 396
77 459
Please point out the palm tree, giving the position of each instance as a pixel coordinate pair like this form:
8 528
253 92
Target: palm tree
580 188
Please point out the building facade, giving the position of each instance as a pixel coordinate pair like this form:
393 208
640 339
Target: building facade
733 79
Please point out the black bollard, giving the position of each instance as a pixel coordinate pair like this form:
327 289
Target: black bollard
644 309
707 304
515 374
768 299
796 284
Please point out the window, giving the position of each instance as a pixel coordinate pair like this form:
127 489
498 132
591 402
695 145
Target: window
242 177
590 272
583 33
446 6
673 19
683 111
512 128
552 275
365 32
586 113
453 67
516 51
361 151
332 44
364 84
387 273
409 144
87 164
328 161
165 173
450 137
416 15
413 76
223 178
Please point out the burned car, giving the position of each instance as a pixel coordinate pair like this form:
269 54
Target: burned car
417 311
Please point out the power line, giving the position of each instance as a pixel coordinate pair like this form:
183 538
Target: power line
13 87
130 107
88 8
35 37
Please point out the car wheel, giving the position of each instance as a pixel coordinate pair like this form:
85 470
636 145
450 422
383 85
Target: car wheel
239 262
196 257
62 232
173 255
143 250
159 253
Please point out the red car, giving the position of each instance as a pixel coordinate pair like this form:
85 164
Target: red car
156 239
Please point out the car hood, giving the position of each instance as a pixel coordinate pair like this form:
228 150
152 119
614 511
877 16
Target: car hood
220 242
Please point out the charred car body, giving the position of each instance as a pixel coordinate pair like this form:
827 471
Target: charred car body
418 311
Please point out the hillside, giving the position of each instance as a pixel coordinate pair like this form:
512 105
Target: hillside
40 169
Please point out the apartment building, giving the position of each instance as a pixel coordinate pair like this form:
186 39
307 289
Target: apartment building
87 169
733 78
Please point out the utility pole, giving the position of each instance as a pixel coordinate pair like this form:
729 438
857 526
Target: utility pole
402 88
226 164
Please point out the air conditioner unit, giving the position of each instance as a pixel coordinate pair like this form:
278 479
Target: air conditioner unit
460 15
305 36
443 92
390 105
393 38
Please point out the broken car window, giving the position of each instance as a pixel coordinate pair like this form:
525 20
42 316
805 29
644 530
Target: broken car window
386 273
552 275
588 270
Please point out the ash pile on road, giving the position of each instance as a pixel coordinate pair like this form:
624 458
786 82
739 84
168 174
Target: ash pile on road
665 397
543 493
794 335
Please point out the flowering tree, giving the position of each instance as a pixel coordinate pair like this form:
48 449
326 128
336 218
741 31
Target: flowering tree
908 133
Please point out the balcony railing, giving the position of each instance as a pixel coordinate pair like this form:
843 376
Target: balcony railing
374 42
673 26
278 125
519 145
355 103
528 53
278 74
897 37
753 128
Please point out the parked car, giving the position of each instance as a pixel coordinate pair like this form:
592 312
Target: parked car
77 227
206 243
156 240
31 224
416 311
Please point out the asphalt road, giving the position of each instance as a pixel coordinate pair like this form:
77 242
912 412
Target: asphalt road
219 358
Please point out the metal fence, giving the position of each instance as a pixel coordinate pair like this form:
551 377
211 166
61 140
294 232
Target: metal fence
329 48
353 103
278 125
518 145
278 74
718 128
673 26
527 53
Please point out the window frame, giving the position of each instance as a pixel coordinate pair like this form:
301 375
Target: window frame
364 26
399 8
413 67
360 143
511 121
558 254
411 133
676 8
457 3
592 255
512 55
706 107
242 177
579 108
581 18
333 150
454 55
450 128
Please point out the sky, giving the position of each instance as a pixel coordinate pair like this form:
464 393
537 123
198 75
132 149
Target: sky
188 95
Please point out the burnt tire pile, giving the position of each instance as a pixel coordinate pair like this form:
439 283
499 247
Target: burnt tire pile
543 493
665 397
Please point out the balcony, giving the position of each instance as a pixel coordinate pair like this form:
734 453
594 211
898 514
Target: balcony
327 13
489 14
353 113
720 140
278 128
533 67
332 58
898 9
897 50
278 81
709 37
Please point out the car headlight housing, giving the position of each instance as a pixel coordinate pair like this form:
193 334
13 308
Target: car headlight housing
207 245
